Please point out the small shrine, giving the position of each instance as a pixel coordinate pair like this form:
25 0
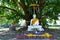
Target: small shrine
34 23
35 30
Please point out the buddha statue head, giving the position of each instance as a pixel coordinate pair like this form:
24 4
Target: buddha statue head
34 15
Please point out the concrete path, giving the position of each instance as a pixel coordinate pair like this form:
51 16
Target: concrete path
31 39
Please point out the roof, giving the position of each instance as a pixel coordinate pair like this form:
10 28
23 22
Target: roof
34 5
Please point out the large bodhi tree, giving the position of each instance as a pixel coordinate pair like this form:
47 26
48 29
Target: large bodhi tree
16 9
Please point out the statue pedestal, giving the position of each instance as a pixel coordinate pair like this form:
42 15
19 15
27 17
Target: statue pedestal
30 35
38 27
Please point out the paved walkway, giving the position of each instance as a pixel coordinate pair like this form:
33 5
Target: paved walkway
12 35
4 29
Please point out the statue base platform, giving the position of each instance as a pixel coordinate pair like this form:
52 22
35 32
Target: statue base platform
31 39
35 27
23 36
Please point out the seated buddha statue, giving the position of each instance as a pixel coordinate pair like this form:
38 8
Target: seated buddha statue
34 24
34 21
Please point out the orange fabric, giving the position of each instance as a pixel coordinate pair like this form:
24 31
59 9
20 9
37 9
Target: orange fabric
34 20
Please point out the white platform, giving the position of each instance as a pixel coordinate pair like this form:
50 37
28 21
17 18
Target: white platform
39 27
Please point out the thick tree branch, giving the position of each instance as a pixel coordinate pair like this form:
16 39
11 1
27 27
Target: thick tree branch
20 4
41 3
8 8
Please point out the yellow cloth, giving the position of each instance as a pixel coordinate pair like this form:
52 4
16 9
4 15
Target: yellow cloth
29 34
34 20
46 35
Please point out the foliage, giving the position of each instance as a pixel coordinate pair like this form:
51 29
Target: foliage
16 9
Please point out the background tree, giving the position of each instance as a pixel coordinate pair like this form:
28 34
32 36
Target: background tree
16 9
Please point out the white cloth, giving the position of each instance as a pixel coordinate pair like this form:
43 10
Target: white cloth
39 27
22 22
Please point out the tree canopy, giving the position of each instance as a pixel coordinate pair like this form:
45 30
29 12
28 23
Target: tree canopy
16 9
